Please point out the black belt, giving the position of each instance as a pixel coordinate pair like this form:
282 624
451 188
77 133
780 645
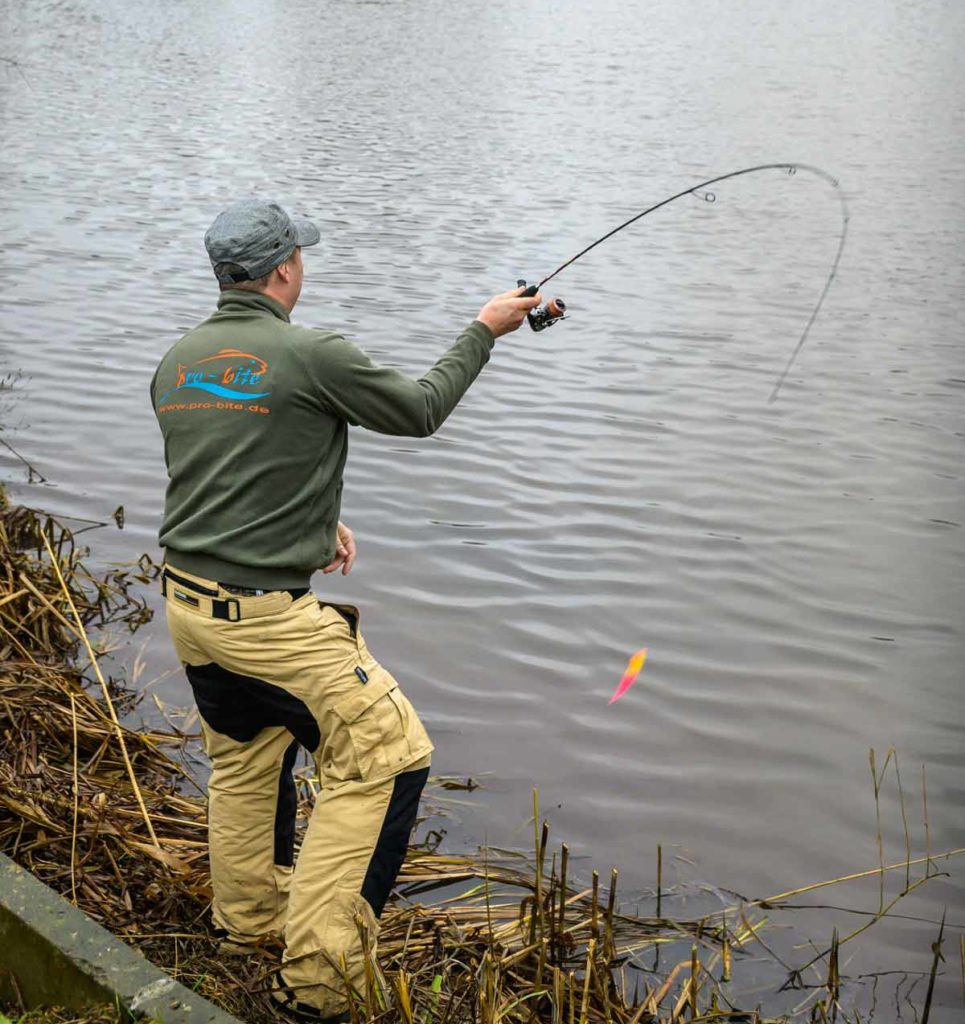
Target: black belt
221 608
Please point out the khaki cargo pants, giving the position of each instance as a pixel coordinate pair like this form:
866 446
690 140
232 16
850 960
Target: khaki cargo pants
270 673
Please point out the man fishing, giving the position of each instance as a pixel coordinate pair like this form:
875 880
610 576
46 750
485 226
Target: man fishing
254 412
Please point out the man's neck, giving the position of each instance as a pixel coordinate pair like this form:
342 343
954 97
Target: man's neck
281 296
253 300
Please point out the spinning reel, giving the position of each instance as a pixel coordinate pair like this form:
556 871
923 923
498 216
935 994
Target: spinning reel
546 315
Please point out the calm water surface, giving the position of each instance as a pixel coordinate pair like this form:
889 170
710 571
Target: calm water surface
797 569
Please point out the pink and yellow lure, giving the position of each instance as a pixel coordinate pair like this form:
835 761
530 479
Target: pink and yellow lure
634 665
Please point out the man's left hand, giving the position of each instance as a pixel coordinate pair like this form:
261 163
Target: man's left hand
344 551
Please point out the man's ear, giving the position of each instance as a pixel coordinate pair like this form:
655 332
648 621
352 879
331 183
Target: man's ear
284 270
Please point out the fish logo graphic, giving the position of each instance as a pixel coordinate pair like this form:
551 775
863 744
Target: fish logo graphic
229 373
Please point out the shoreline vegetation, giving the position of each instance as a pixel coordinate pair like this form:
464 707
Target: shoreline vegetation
111 818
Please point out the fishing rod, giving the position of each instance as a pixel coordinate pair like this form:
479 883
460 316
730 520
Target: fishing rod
554 310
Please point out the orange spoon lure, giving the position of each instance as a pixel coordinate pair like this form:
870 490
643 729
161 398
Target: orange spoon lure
634 666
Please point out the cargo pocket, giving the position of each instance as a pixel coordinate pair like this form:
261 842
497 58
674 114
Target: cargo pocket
377 719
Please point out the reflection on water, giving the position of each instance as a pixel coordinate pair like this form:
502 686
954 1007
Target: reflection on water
620 481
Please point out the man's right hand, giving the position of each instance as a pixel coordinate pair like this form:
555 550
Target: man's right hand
504 313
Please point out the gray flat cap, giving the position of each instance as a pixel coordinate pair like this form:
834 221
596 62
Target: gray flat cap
252 237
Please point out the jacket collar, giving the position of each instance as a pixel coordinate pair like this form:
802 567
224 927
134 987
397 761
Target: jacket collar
240 301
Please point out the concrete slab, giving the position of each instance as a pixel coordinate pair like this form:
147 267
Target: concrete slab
60 957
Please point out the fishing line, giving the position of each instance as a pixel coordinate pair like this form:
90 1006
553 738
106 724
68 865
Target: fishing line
547 315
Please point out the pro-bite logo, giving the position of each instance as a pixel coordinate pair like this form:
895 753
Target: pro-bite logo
230 374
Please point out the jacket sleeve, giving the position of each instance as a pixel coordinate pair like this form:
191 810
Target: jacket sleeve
356 389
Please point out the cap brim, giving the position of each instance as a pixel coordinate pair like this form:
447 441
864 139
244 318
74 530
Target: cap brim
305 231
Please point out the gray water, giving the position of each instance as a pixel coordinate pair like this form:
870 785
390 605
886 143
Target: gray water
796 569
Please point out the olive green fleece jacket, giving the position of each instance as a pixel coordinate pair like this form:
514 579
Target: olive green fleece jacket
255 411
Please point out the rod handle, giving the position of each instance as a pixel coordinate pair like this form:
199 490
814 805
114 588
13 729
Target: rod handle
530 291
